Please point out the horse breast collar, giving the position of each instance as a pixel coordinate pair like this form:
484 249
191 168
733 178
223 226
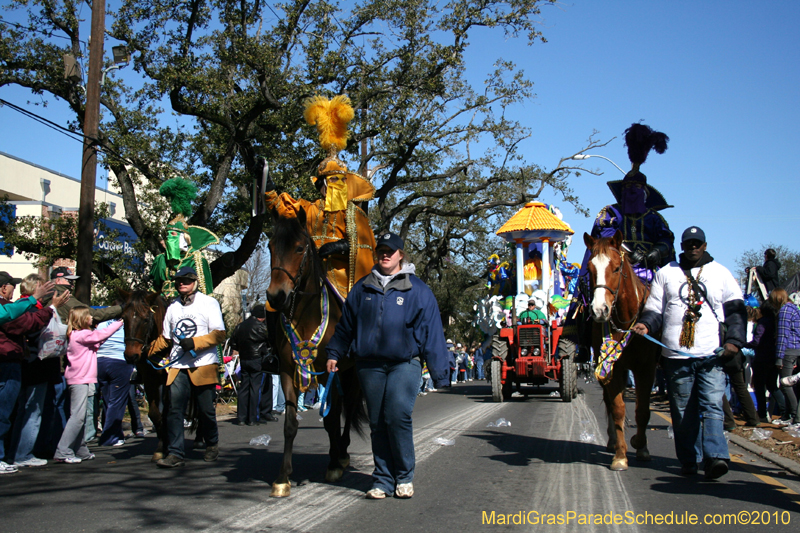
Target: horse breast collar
611 350
305 352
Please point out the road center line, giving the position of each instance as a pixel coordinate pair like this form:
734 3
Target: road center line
312 504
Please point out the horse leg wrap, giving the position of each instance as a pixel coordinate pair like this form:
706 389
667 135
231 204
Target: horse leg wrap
280 490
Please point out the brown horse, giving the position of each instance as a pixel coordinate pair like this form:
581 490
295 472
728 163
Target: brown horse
143 320
295 291
618 297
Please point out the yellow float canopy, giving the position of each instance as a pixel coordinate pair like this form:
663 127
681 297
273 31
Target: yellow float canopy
533 223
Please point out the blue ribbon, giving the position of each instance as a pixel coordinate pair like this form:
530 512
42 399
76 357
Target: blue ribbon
326 407
686 354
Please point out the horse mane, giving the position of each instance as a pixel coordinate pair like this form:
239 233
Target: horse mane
287 233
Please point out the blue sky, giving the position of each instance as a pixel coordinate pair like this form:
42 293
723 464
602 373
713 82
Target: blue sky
721 78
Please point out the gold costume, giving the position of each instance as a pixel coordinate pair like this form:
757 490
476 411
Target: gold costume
339 215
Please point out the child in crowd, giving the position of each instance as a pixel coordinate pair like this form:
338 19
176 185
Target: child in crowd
81 376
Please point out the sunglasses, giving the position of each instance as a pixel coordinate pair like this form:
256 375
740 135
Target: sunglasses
184 281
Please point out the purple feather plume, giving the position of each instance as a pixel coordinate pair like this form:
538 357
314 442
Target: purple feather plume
640 139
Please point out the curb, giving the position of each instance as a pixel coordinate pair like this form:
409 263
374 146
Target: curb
787 464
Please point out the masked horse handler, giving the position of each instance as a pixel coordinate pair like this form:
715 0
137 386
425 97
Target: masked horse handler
698 306
337 223
195 327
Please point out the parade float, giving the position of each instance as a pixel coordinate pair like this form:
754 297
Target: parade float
524 352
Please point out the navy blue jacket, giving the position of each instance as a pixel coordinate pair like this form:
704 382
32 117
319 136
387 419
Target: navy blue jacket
395 323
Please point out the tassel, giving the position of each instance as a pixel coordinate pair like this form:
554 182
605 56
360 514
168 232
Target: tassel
687 331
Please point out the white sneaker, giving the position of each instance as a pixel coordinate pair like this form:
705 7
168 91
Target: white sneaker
375 494
33 461
404 490
790 381
782 422
120 442
6 468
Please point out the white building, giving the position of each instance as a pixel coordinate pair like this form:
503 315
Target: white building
34 190
37 191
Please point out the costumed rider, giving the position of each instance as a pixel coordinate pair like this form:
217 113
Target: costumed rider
195 327
337 223
646 234
184 244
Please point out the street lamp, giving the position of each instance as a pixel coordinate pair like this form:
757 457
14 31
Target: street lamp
581 157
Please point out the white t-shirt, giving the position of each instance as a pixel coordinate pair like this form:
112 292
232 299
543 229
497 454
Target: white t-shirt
199 318
668 297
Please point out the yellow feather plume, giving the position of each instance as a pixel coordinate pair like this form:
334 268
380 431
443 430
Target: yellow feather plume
331 118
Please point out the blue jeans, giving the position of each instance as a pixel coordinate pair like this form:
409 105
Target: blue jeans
29 420
179 393
10 385
390 390
479 369
696 387
278 398
114 378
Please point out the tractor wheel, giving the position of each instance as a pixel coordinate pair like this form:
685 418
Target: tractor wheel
568 380
496 375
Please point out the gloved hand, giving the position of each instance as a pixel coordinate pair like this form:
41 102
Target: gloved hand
187 344
653 258
261 167
729 351
636 257
339 247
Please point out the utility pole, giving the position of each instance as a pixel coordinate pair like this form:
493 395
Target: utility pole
83 286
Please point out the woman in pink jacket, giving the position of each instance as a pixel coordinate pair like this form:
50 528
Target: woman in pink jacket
81 375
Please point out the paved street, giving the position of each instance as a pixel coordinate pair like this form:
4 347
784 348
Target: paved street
537 466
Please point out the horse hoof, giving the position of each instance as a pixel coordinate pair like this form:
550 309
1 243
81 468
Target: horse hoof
618 465
345 462
332 476
643 454
156 457
280 490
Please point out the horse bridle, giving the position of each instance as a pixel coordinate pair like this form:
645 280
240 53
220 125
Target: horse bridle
615 292
151 324
294 279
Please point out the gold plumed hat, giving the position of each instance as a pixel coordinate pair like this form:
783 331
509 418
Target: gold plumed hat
331 118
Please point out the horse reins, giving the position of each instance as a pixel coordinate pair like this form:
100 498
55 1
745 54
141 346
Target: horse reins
296 279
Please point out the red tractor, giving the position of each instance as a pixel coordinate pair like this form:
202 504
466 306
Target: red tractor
526 354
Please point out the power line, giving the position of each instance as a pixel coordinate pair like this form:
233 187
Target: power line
34 30
69 133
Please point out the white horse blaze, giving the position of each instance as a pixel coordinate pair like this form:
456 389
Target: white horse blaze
599 305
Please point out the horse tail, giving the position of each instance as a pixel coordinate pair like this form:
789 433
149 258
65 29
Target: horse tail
354 408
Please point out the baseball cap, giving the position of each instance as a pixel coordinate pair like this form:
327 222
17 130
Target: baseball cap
62 273
6 278
186 272
693 233
390 240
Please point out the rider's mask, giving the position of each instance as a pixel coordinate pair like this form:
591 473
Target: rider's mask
336 194
176 245
633 198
